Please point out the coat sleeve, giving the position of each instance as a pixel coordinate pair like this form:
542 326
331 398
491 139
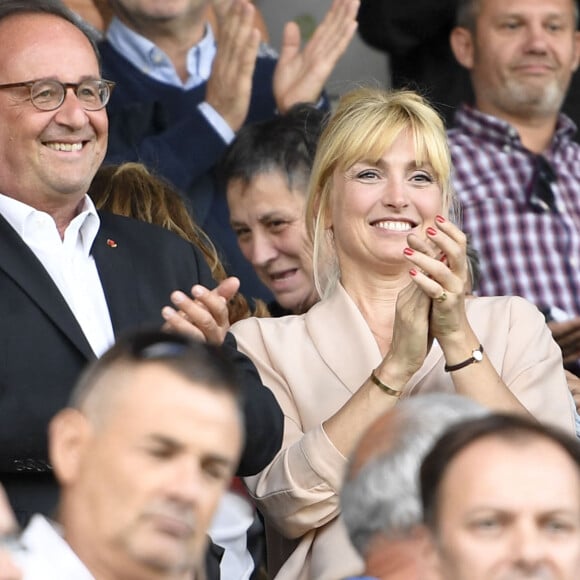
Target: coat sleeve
264 421
298 491
531 366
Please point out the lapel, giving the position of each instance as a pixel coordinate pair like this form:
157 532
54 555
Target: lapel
346 344
20 264
115 264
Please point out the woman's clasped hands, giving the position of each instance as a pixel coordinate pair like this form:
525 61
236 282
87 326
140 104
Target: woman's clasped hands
439 269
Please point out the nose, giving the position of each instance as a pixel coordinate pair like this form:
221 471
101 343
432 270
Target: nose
394 194
536 37
185 482
71 112
262 249
528 546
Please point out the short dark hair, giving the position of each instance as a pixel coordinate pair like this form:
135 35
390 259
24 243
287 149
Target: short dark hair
286 143
514 428
195 361
50 7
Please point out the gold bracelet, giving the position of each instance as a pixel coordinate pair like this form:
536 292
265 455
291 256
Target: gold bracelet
385 388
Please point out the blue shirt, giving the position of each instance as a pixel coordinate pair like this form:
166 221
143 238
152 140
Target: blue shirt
152 61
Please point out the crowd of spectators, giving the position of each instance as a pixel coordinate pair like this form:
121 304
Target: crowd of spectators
248 334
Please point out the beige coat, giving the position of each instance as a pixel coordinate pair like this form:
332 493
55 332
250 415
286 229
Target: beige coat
314 362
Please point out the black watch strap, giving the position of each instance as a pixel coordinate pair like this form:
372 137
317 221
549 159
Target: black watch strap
476 356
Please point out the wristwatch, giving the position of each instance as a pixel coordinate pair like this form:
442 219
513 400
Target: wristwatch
476 356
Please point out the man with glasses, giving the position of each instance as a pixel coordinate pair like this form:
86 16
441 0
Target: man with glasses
72 279
517 168
141 468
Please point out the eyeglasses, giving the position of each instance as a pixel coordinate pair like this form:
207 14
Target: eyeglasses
49 94
544 177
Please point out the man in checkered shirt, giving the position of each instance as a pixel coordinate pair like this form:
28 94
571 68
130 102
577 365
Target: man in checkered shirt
517 169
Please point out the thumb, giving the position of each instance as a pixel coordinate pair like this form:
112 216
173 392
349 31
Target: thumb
227 288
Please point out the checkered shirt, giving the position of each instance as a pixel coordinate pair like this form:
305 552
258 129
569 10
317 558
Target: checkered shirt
524 251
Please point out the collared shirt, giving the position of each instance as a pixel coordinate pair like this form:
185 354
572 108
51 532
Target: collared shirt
46 555
69 263
152 61
525 249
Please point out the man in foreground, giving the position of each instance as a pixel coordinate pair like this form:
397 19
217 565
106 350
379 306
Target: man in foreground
380 501
501 499
150 442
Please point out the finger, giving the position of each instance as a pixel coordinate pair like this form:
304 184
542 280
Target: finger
451 241
221 9
213 302
174 322
228 288
290 43
433 289
436 270
190 313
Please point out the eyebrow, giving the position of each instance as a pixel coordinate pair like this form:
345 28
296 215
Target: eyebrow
264 217
175 445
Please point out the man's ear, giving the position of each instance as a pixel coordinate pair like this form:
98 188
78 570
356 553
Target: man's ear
68 436
461 41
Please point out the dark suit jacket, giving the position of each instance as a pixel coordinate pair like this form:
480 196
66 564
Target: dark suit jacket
43 349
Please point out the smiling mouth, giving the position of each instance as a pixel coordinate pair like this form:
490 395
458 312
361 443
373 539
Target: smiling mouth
283 275
393 225
69 147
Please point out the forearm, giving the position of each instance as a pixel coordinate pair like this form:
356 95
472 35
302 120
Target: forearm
369 402
478 380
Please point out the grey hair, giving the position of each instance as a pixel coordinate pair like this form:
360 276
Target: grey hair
383 497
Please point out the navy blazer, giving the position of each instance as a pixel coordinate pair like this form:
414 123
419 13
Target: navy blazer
43 349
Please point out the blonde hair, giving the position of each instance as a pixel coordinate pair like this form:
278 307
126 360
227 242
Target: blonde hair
365 124
131 190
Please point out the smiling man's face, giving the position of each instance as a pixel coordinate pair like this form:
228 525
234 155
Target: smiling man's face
48 157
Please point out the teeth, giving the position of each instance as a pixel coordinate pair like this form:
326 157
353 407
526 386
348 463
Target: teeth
394 226
65 146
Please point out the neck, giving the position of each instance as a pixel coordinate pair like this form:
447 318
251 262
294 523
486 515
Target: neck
536 131
62 214
376 299
174 37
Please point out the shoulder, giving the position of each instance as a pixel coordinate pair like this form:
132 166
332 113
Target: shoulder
504 308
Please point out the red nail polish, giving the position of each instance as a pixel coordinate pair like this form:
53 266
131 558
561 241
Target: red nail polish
440 219
431 231
413 272
408 251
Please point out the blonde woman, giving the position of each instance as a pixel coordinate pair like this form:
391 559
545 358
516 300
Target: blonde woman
393 322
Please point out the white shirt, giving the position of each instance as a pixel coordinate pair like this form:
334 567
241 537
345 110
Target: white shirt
68 262
46 555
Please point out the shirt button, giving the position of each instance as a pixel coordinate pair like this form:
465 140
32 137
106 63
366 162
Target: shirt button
157 58
507 149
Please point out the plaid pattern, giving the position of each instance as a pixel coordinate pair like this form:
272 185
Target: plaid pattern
524 250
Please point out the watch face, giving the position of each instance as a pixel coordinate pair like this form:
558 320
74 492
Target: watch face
477 355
